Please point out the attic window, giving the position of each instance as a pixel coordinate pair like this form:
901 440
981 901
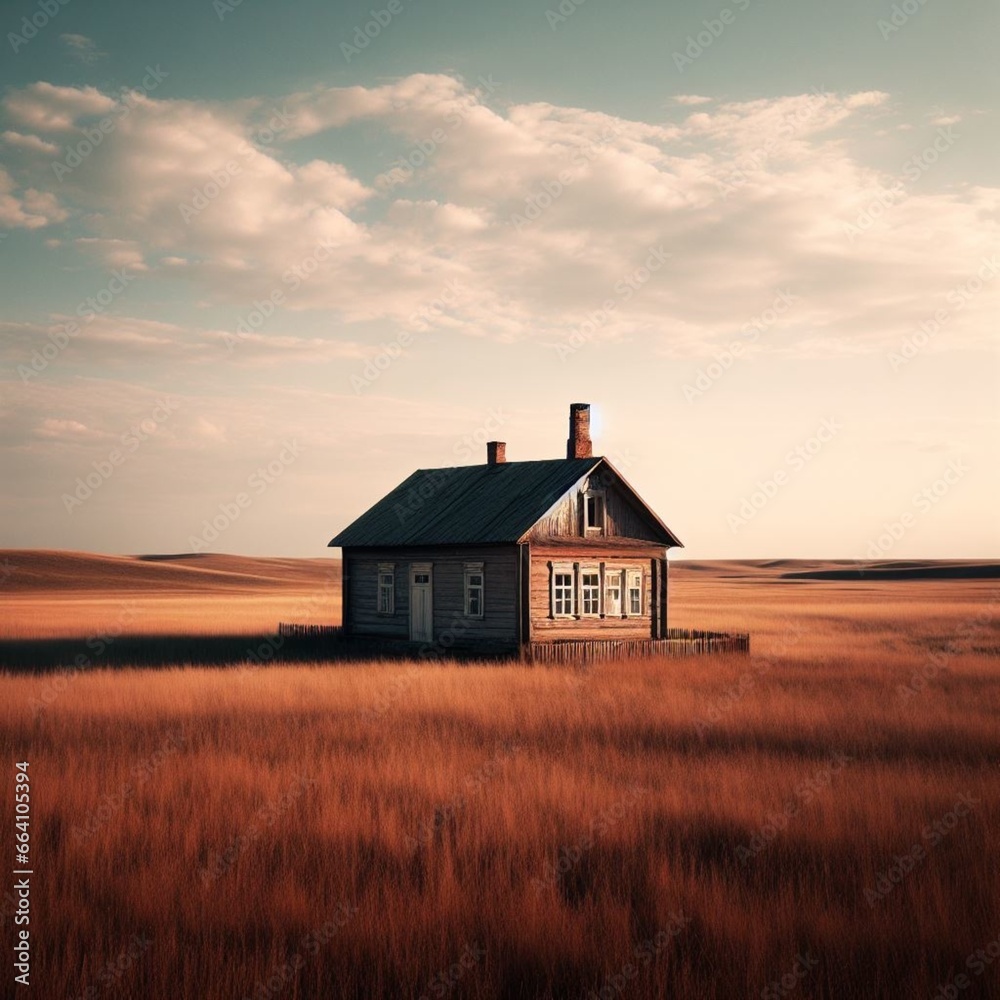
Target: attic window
386 588
593 513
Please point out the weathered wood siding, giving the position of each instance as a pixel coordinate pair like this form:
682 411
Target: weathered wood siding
622 518
613 557
499 622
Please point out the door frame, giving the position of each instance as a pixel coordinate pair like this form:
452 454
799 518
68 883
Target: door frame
415 568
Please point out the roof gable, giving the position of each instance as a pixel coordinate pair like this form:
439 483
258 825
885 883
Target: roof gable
475 504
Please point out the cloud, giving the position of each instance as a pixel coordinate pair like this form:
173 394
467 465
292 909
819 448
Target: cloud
538 215
31 143
692 99
27 209
46 107
82 48
110 342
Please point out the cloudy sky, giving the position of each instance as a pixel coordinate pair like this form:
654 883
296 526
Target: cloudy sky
261 261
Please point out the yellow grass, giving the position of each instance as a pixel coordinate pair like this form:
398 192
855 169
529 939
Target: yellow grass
487 831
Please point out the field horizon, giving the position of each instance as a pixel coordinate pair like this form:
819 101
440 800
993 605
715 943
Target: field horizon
817 819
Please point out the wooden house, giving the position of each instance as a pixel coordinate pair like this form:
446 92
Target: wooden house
509 555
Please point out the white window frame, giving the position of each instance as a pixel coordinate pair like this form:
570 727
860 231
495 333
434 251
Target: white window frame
385 569
600 498
589 570
614 577
633 576
562 569
475 569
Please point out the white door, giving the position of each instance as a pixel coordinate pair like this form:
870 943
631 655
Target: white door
421 603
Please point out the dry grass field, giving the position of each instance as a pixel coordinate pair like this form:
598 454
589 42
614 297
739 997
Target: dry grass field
820 819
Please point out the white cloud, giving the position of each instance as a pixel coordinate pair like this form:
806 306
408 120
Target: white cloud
29 209
537 213
32 143
48 108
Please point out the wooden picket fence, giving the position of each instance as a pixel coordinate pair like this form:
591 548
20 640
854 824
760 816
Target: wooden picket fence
287 630
679 642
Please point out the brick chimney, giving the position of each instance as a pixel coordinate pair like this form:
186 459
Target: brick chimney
579 444
496 452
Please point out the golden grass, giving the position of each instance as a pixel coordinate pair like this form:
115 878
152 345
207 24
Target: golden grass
398 830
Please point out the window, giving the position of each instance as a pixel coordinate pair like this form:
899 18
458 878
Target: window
593 513
612 593
590 591
634 591
474 590
386 588
563 591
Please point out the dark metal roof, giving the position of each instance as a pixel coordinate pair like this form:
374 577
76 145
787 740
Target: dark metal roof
473 504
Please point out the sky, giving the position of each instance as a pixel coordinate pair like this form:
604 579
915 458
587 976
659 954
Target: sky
259 262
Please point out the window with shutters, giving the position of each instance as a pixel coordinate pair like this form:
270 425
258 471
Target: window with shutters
634 591
563 591
590 590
